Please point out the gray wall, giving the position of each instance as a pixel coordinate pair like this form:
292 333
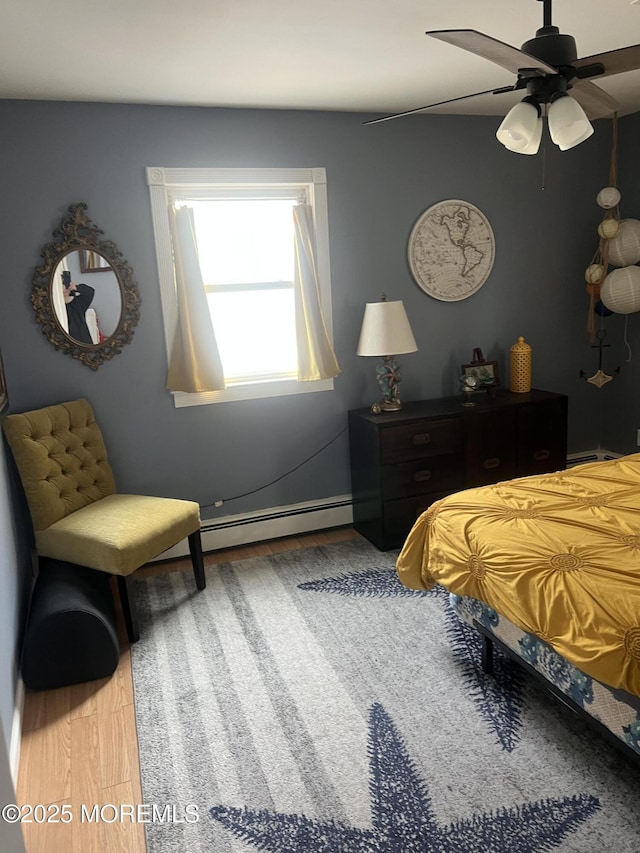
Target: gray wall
380 178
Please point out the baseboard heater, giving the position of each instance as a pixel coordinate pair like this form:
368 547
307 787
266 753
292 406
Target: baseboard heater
599 455
272 523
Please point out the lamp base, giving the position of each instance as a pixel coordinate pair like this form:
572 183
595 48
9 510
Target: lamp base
388 376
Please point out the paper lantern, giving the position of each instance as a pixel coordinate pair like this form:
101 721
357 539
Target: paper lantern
620 292
594 273
608 197
608 228
624 248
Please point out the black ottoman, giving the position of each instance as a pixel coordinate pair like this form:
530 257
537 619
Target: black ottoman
71 632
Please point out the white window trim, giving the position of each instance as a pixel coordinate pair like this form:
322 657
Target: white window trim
167 184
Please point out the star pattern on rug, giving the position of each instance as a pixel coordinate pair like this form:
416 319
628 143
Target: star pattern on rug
498 697
403 820
372 583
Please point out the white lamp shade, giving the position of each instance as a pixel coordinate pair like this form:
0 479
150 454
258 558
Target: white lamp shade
568 123
386 330
624 248
620 292
520 127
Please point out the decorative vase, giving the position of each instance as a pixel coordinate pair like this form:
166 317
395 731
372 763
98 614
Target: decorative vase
520 367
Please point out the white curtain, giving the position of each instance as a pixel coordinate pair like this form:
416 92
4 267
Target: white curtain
194 364
92 324
57 294
316 358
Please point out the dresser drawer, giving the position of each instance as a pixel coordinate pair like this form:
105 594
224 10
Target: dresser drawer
420 439
542 444
401 462
491 447
400 516
422 476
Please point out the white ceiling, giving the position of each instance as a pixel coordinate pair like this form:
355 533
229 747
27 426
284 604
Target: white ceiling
357 55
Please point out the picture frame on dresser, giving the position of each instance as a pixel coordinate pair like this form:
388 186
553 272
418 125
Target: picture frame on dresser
485 372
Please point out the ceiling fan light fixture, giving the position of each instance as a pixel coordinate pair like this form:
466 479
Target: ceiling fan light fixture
568 123
521 126
534 145
573 143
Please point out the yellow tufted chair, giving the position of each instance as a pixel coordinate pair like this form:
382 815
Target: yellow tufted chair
77 515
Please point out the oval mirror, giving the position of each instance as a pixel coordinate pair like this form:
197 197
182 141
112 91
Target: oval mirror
84 295
87 307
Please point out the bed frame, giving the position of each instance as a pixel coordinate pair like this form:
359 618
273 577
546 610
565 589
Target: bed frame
489 640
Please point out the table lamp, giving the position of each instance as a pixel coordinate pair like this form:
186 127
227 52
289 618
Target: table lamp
386 332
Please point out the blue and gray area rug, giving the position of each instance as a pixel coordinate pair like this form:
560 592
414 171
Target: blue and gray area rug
308 703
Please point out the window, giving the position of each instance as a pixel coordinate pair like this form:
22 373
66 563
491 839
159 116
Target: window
243 222
246 257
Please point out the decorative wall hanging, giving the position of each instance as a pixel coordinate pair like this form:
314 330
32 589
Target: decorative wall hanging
97 334
451 250
608 229
600 378
617 291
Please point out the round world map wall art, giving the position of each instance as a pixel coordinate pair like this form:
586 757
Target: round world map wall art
451 250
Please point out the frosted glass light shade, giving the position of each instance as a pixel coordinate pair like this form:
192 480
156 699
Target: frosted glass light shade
568 123
520 128
534 145
386 330
624 248
620 292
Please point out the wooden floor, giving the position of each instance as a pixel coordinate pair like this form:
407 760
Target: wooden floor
79 743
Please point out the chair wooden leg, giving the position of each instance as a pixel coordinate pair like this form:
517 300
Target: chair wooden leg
195 549
129 611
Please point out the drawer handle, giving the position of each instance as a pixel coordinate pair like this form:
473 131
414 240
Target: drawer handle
488 464
422 476
421 438
539 455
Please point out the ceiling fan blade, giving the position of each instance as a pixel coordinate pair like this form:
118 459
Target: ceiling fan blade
613 61
489 48
594 101
441 103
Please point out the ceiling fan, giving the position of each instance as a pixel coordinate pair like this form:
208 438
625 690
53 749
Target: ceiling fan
548 68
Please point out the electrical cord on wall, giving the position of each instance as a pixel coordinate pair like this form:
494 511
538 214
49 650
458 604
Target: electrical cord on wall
218 503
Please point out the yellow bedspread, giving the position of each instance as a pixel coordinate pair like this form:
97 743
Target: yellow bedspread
557 554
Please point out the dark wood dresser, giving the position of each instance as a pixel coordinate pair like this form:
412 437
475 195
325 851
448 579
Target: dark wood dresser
401 462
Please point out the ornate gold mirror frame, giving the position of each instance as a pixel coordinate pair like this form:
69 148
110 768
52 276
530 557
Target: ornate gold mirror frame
78 234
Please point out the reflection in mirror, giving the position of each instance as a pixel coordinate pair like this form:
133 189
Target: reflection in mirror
90 322
88 313
93 262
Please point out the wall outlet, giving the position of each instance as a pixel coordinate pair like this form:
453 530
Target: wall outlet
638 437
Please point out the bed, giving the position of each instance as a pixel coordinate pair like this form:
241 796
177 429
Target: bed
548 568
